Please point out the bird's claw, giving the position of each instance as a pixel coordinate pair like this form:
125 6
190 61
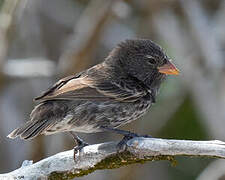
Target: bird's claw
121 146
146 136
78 148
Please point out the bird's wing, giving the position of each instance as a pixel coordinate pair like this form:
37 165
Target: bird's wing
85 88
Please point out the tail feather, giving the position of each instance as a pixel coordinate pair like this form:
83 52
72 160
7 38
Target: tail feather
17 132
13 134
43 117
34 130
29 130
37 130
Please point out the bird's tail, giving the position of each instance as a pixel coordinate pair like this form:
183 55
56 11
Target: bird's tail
37 125
29 130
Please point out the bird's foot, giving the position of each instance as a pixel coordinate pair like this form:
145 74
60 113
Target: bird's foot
121 146
80 144
78 148
146 136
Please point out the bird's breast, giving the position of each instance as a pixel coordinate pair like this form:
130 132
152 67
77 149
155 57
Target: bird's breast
141 107
89 116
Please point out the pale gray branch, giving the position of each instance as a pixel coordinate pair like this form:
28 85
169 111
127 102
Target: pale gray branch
104 156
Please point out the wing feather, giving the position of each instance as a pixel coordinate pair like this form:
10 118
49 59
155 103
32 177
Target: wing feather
85 88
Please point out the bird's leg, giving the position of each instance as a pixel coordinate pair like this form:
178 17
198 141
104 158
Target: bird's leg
127 136
79 143
119 131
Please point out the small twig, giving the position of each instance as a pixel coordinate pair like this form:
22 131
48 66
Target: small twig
105 156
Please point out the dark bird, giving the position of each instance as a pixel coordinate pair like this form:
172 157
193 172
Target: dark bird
102 98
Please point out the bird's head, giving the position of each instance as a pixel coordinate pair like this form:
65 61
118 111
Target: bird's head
144 60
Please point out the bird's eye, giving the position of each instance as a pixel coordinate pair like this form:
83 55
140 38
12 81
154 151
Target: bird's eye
151 60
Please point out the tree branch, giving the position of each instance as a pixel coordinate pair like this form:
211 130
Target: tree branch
105 156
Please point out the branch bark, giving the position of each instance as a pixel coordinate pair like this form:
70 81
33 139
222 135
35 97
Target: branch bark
105 156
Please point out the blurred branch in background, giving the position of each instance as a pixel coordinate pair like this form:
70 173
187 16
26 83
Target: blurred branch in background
106 156
87 32
24 68
203 84
201 29
6 19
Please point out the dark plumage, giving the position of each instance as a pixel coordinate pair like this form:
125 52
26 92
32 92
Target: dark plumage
110 94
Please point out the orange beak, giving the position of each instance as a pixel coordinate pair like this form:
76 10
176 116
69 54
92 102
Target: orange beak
169 68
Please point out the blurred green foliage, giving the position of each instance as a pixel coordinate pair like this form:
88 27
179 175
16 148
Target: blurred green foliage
1 2
185 124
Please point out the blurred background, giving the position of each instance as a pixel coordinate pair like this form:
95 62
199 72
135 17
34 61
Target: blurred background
42 41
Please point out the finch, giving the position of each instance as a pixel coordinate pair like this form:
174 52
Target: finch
102 98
